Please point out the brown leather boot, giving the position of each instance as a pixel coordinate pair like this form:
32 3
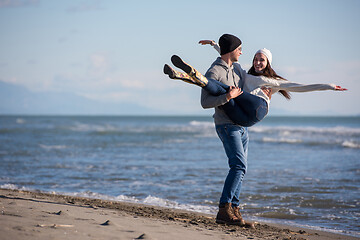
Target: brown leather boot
226 216
238 214
243 223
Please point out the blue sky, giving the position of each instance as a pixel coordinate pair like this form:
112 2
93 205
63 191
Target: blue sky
114 51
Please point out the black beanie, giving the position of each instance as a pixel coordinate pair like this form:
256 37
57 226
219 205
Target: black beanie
228 43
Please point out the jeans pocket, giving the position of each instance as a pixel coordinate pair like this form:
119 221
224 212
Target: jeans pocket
220 132
226 131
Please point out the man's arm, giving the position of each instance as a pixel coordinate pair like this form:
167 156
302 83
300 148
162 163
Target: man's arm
208 100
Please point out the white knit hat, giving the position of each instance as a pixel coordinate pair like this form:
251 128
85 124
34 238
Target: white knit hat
267 53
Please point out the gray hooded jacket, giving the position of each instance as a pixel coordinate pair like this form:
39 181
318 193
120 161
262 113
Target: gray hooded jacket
230 76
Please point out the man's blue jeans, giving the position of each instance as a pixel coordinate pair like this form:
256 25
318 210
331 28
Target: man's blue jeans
235 140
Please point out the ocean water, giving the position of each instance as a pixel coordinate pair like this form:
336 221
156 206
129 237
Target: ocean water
302 171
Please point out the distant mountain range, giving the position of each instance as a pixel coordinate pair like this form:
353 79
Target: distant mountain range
15 99
18 100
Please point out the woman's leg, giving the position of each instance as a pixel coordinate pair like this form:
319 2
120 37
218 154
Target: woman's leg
173 74
246 109
214 87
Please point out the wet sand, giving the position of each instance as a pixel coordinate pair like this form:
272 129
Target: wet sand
35 215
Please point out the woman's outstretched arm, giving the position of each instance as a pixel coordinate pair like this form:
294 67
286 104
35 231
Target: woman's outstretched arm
279 84
296 87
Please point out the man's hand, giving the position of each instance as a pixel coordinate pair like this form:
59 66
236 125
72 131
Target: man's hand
267 91
233 93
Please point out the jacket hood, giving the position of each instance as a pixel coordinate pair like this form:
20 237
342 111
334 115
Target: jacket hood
221 63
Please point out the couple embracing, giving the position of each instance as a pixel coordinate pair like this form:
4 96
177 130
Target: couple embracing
240 100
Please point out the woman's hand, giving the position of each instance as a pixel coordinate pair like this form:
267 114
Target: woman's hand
233 93
338 88
204 42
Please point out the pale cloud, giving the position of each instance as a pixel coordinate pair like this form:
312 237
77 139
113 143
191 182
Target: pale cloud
131 83
323 102
68 36
100 78
145 80
112 97
85 6
18 3
151 89
339 73
32 62
99 63
13 80
97 76
3 64
292 70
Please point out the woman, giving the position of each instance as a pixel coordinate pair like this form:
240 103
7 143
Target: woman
252 105
261 64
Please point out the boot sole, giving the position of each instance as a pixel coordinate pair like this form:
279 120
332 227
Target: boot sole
168 70
178 62
229 223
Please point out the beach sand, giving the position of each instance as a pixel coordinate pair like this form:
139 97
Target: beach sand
35 215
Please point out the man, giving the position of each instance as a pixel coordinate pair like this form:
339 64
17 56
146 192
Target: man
234 137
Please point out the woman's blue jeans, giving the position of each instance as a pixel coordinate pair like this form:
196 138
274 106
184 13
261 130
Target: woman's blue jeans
244 110
235 139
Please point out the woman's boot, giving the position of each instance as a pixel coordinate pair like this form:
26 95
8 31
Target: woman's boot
173 74
196 75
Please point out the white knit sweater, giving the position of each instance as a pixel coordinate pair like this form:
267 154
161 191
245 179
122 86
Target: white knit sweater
253 84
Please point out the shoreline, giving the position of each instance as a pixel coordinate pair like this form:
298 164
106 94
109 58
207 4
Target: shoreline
37 215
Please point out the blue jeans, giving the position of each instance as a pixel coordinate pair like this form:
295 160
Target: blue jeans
244 110
235 139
